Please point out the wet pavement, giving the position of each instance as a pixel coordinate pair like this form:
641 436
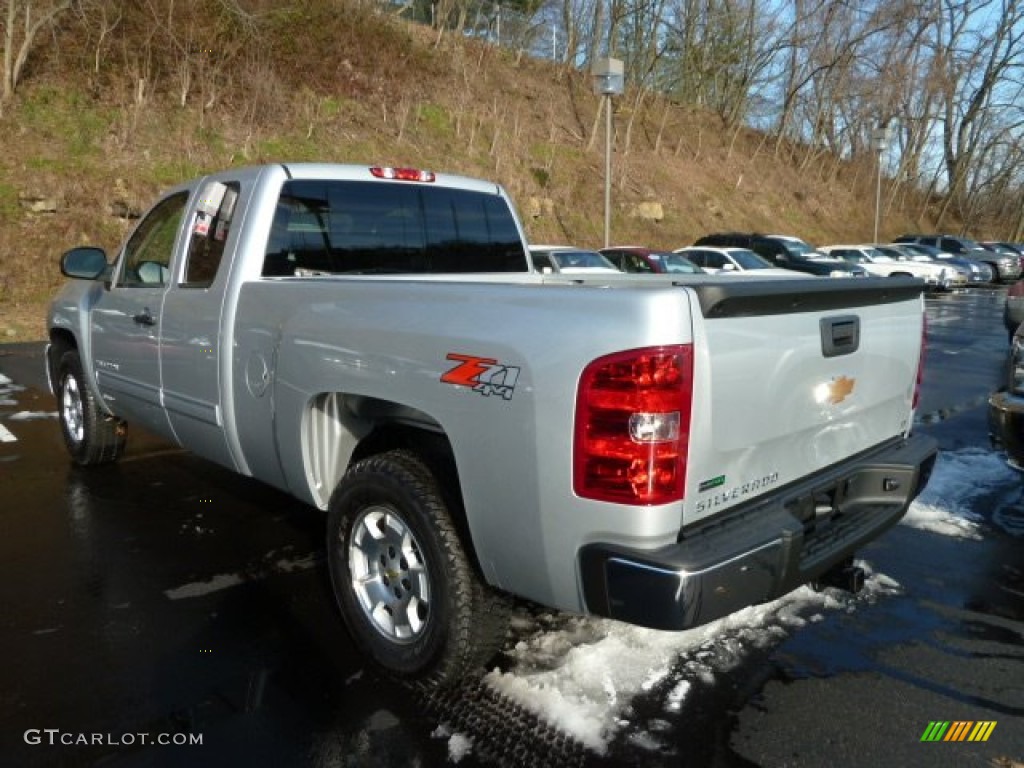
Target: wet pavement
165 596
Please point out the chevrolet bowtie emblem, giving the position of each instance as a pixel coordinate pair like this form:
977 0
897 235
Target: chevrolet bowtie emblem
839 389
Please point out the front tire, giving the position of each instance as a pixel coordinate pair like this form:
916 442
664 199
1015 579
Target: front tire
407 590
91 435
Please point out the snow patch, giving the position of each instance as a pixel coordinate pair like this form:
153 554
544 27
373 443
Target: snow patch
228 580
676 697
459 746
296 564
200 588
582 676
32 415
959 480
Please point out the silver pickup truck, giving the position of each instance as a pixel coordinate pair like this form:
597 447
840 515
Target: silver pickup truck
658 449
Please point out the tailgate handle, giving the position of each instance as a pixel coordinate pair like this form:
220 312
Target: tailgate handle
840 335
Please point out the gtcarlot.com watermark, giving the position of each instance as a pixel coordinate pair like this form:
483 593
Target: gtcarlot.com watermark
56 737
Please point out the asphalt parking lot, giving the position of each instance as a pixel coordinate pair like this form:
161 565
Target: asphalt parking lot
164 599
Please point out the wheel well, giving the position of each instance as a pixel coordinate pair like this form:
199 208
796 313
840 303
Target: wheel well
61 341
342 429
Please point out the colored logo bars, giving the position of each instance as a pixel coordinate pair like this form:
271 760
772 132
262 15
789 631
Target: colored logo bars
958 730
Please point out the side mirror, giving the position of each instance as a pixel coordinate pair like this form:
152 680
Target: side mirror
84 263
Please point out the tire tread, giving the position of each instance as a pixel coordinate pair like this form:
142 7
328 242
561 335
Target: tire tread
103 439
479 620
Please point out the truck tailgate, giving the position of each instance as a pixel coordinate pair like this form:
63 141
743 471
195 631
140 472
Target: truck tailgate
794 376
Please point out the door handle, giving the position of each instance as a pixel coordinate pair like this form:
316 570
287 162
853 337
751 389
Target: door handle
144 318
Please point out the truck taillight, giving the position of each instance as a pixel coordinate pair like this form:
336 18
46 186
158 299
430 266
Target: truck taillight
920 362
633 426
402 174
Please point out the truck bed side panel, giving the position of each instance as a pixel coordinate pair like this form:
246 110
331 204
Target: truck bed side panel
394 340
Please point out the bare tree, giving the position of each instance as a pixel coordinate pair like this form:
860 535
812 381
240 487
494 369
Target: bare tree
716 54
582 30
979 45
100 18
23 21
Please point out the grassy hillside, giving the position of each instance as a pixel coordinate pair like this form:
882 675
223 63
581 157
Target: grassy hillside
106 118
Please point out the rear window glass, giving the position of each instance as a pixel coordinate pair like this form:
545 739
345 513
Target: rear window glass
353 227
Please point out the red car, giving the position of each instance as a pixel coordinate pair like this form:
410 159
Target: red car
635 258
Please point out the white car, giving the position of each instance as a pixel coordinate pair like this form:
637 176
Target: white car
961 270
877 263
568 260
734 261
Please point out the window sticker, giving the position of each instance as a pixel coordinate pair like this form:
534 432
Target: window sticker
202 225
227 206
210 200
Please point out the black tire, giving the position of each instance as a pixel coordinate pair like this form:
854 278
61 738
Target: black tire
407 590
90 434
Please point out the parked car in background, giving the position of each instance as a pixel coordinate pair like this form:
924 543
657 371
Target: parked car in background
1006 406
734 261
996 245
786 252
636 258
960 275
1006 267
1013 309
567 260
879 264
979 271
1007 250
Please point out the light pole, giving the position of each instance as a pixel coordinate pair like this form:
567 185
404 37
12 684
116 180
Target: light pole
608 80
879 141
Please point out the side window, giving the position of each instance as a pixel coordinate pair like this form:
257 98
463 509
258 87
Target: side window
637 264
147 255
716 260
951 245
209 234
697 257
542 261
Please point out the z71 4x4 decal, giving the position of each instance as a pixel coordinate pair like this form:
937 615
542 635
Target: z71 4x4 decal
484 375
